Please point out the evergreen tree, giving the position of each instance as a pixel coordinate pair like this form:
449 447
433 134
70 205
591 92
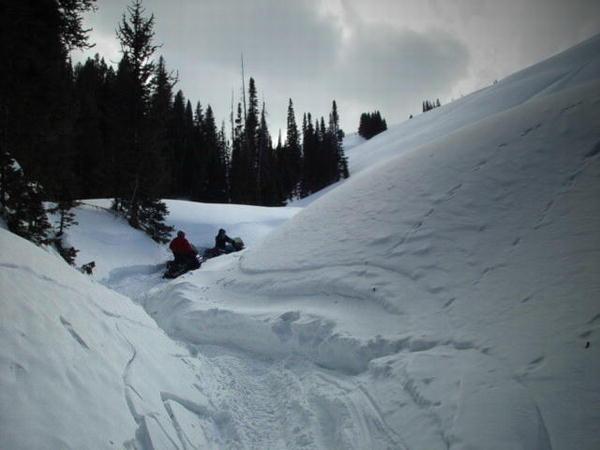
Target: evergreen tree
198 154
324 160
21 202
216 170
371 124
142 157
91 130
244 158
429 105
192 173
337 137
249 146
123 157
161 109
309 150
66 218
292 167
237 171
222 178
269 188
178 144
152 214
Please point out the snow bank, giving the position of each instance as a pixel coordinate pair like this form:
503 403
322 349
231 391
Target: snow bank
84 367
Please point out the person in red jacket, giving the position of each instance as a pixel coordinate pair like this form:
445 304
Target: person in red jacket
183 251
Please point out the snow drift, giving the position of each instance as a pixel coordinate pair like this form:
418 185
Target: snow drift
83 367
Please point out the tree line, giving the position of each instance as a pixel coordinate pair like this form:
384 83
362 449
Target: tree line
97 131
428 105
371 124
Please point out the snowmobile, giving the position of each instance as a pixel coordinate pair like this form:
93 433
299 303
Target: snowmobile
236 246
178 268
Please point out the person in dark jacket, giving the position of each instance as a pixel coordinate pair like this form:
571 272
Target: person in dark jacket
183 251
221 240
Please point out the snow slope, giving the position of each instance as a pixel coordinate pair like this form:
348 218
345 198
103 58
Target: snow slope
445 296
456 282
578 65
83 367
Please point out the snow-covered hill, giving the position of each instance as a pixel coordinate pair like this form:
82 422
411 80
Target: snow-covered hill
445 296
83 367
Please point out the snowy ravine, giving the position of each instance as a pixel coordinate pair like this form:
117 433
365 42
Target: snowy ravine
446 296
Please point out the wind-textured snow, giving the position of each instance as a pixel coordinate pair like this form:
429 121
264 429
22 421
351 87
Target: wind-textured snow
446 296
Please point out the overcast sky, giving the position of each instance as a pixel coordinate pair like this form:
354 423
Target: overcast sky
388 55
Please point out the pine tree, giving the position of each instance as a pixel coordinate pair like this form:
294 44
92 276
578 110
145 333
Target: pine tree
177 141
192 172
249 145
21 202
237 173
216 170
66 218
429 105
222 177
310 162
142 156
198 154
293 155
91 130
152 215
338 138
269 183
324 160
161 109
371 124
123 157
244 158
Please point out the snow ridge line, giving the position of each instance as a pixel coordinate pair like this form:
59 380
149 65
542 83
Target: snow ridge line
73 333
35 274
125 376
142 439
291 333
562 80
180 434
338 289
393 436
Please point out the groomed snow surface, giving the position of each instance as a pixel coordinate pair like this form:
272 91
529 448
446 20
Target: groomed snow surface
446 296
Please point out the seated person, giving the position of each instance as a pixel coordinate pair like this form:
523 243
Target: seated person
221 240
223 244
183 251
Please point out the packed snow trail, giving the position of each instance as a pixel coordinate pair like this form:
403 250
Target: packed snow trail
273 402
87 352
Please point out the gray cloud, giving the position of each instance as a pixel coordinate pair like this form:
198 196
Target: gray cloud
279 39
376 54
394 69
